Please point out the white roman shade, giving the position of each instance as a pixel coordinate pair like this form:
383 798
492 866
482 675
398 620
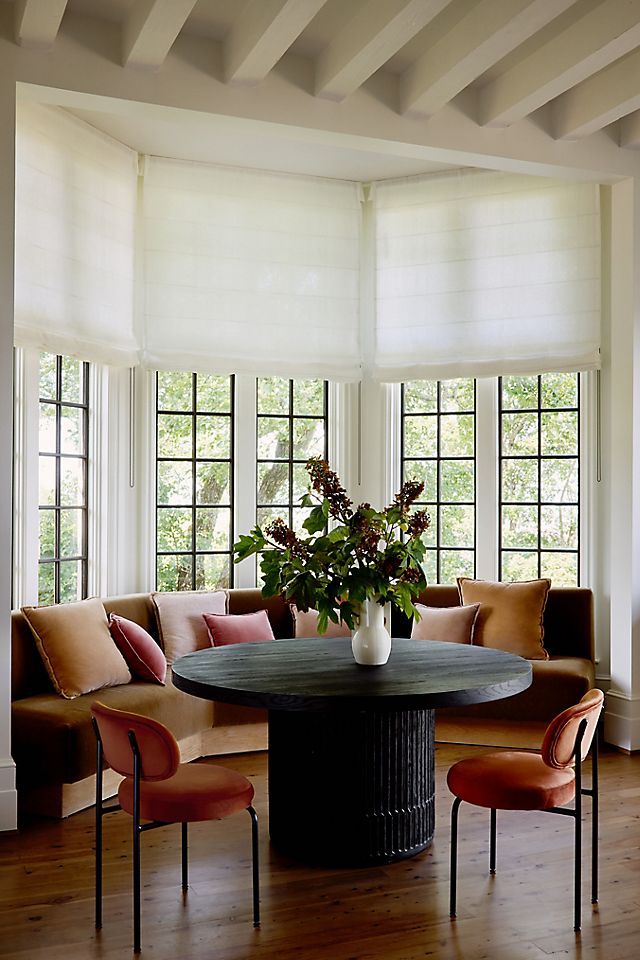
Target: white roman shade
249 271
481 273
75 228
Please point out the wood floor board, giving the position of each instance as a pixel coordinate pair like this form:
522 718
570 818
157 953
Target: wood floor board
393 912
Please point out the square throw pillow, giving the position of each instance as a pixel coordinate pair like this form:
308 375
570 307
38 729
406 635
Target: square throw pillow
182 629
453 624
306 625
76 647
145 659
225 629
510 616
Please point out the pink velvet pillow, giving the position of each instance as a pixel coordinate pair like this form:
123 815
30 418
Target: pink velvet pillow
227 628
144 657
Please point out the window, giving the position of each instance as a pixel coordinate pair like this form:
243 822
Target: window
194 481
63 466
438 448
291 427
540 478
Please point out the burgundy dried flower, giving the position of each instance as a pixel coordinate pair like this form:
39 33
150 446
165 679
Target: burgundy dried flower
408 493
325 482
284 536
418 524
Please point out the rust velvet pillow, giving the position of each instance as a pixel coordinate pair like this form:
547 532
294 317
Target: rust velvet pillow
182 629
306 625
225 629
510 616
453 624
76 647
145 659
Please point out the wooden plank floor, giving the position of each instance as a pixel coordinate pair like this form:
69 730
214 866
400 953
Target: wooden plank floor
397 912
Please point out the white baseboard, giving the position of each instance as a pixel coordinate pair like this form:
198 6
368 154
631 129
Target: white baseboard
622 721
8 795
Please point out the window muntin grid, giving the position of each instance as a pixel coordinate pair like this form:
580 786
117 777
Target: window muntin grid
194 481
63 478
539 478
292 425
437 440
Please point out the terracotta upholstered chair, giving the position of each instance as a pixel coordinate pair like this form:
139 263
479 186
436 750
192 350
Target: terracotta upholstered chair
515 780
159 789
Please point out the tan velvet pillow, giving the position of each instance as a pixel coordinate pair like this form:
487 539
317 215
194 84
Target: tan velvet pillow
76 647
510 616
306 625
182 627
453 624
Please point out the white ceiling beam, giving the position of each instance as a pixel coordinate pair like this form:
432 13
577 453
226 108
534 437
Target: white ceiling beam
150 30
377 31
490 30
263 33
629 131
595 103
36 22
587 45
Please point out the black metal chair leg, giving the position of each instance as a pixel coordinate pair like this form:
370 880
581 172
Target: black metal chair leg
577 874
492 844
595 815
98 828
256 865
185 856
454 857
136 844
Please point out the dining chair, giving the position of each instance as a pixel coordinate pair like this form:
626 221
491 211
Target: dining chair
158 789
547 781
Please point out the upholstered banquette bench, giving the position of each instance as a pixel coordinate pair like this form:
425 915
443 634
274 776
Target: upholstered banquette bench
53 743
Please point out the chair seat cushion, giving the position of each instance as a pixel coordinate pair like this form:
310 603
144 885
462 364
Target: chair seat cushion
194 792
511 780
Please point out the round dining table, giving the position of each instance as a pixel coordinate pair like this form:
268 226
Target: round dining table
351 748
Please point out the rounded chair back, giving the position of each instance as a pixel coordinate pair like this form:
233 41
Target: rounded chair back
559 739
159 750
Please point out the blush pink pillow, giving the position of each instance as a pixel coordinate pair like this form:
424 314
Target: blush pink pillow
143 656
227 628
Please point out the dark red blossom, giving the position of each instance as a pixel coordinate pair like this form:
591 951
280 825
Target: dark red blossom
284 536
325 482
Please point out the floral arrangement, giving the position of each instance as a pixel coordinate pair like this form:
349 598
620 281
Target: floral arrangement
348 556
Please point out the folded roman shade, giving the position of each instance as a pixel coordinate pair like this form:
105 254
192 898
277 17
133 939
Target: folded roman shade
480 273
75 229
248 271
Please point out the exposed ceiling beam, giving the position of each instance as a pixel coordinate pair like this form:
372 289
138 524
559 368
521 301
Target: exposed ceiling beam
36 22
630 131
150 30
263 33
376 32
598 101
490 30
587 45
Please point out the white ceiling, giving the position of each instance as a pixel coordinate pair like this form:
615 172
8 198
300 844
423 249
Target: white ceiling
572 66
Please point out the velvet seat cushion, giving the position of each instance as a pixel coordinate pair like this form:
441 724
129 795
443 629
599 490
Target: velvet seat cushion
194 792
511 780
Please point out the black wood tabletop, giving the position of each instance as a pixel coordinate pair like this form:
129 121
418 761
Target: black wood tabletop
321 674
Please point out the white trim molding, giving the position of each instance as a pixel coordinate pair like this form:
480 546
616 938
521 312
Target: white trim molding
622 721
8 794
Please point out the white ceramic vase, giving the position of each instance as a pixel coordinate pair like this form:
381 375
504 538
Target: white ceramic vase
371 642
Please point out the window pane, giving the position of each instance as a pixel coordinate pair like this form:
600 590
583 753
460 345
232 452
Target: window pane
457 526
213 528
47 431
265 515
213 393
273 439
213 483
175 528
175 391
71 430
560 433
520 480
456 436
519 566
421 436
47 538
71 482
175 481
46 481
559 480
520 527
420 396
273 483
273 395
70 580
457 395
519 393
559 527
308 439
424 471
301 484
457 480
213 571
456 563
174 435
559 390
298 517
71 533
561 568
430 566
48 376
174 573
308 398
213 437
46 583
72 381
519 434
